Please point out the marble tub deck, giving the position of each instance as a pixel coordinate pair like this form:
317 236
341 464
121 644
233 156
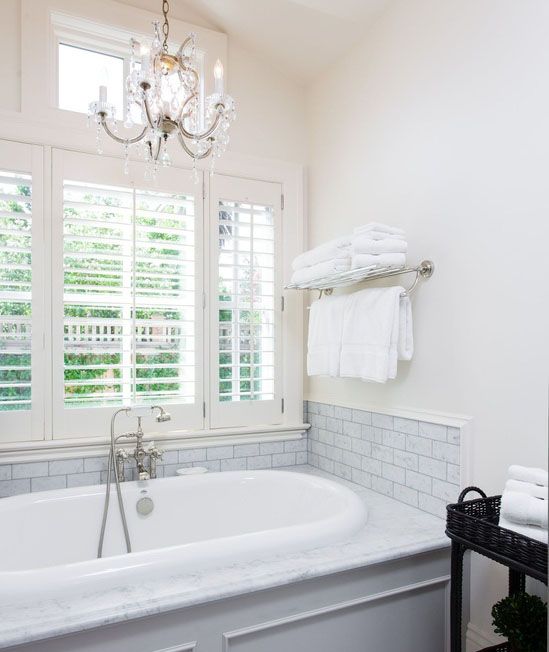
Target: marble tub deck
393 531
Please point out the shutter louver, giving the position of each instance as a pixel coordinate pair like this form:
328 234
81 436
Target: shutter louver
15 290
246 322
128 296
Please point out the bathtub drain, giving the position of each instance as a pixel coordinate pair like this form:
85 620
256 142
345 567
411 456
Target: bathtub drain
144 506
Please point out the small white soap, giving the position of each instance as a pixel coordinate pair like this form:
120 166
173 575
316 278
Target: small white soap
192 470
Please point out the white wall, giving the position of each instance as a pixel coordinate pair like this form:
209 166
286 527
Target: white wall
438 122
10 54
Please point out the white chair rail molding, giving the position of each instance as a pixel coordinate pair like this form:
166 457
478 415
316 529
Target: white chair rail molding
272 369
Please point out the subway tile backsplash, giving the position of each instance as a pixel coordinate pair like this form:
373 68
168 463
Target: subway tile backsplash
415 462
77 472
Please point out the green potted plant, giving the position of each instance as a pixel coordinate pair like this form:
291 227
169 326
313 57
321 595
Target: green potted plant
522 619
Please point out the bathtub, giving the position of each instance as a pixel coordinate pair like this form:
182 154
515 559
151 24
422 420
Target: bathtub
49 540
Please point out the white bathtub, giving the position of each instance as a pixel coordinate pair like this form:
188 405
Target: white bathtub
48 541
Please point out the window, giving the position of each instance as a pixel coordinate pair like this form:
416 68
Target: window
15 290
22 314
81 72
128 296
131 332
247 301
105 303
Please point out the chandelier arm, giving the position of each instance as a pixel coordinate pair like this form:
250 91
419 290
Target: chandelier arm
123 141
206 133
148 113
181 51
158 147
189 151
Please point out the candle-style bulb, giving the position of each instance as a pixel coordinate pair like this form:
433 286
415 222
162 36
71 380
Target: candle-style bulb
218 77
103 94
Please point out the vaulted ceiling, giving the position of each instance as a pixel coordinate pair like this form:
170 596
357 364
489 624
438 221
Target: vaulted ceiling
300 37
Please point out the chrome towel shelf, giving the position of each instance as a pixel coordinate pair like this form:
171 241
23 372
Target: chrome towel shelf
326 284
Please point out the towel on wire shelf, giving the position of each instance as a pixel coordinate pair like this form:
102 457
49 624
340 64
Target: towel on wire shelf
379 260
377 332
365 245
338 248
320 270
527 488
524 509
537 533
379 227
527 474
324 341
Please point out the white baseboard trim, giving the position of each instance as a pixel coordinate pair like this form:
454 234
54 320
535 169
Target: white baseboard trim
476 638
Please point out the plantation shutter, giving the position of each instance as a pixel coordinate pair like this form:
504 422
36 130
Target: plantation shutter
129 296
246 355
21 293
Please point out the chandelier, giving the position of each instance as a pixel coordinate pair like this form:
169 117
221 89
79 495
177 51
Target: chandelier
163 94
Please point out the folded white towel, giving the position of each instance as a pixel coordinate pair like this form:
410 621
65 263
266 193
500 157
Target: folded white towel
379 235
315 272
325 329
528 474
524 509
527 530
333 249
372 340
527 488
378 260
365 245
378 226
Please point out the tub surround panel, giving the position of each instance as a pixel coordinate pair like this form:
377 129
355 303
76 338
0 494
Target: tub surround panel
416 462
56 474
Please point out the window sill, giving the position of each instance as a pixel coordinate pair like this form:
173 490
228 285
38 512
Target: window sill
67 448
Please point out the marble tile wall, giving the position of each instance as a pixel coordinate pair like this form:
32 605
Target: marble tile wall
74 472
415 462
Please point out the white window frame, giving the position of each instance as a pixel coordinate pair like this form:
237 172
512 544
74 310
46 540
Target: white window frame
44 439
22 425
88 422
245 413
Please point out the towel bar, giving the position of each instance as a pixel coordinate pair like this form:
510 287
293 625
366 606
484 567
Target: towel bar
326 284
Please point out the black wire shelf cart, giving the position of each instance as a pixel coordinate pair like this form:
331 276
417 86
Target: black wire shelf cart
473 525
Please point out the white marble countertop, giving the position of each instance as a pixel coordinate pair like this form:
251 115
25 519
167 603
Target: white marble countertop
393 531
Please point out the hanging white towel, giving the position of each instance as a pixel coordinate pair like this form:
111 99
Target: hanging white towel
337 248
527 530
378 226
372 340
379 260
325 331
365 245
527 474
320 270
527 488
524 509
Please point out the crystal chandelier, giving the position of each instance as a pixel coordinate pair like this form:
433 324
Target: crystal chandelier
163 94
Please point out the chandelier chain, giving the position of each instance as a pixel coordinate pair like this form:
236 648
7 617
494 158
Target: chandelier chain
166 25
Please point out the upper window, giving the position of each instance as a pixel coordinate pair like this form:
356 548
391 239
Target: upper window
82 71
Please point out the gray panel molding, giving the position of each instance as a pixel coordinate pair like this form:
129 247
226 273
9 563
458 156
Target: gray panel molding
186 647
232 636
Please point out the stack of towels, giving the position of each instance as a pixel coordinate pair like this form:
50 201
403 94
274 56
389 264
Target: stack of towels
524 502
360 335
378 244
372 244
